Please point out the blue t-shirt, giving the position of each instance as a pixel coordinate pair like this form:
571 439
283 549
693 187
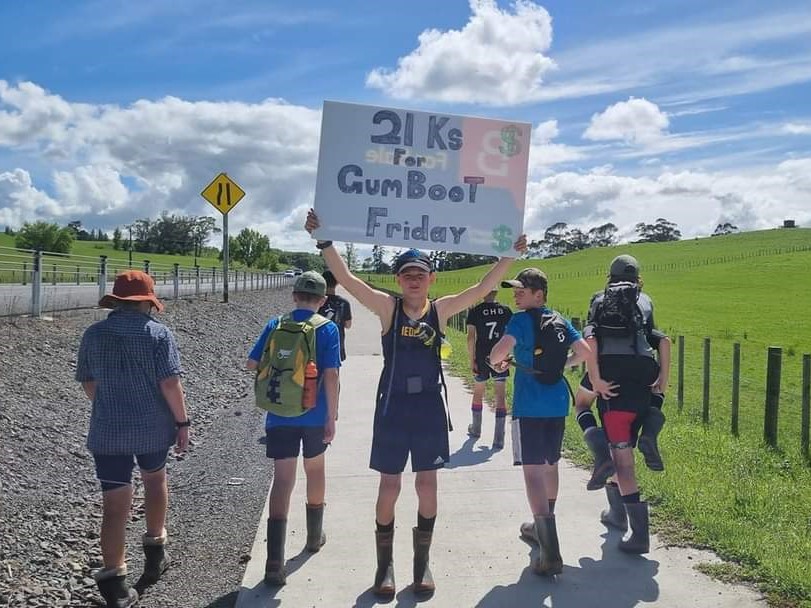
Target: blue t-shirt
327 355
531 399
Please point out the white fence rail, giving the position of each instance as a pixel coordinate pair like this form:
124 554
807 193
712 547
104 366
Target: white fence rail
33 282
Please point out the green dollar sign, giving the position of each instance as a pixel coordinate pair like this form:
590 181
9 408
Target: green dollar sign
510 145
502 240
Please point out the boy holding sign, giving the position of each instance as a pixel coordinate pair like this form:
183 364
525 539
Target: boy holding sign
410 417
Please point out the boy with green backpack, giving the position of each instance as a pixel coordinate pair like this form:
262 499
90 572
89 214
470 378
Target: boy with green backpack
296 359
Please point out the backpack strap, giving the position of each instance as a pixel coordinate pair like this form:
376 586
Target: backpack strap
394 321
317 320
435 315
279 320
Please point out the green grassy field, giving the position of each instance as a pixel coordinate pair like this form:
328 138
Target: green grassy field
86 254
749 503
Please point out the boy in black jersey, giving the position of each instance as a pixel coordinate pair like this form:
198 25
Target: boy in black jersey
485 326
337 310
410 417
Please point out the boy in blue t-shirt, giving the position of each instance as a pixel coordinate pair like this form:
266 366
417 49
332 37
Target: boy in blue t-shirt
540 401
311 432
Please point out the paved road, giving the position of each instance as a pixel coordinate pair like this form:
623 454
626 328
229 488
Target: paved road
477 558
15 299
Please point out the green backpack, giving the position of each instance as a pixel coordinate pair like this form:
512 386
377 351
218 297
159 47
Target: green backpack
279 382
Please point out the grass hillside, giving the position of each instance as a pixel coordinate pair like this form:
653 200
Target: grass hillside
93 249
750 503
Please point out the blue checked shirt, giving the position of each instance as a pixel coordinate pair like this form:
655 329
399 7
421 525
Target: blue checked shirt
127 355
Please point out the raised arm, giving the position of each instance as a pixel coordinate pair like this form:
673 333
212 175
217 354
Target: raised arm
447 306
380 303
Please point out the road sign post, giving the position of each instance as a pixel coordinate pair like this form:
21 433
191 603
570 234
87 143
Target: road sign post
223 194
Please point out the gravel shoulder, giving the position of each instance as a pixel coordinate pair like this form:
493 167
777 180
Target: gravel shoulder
50 505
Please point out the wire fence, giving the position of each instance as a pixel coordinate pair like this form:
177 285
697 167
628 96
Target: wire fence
444 279
752 392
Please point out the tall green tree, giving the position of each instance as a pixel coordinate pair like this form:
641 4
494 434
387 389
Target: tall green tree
203 227
248 246
117 238
46 236
603 235
659 232
378 264
725 228
351 256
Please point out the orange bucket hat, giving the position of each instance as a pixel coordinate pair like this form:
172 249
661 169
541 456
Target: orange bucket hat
132 286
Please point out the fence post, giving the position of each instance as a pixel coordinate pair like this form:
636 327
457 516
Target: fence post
146 266
705 408
773 369
53 274
680 388
177 280
196 280
102 275
736 385
25 272
36 284
77 275
213 279
806 405
244 280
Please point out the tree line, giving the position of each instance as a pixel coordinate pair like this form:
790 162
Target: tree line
167 234
187 235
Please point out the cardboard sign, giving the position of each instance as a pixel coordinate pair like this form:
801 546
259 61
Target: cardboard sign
400 178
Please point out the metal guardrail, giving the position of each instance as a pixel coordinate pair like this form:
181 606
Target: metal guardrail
33 281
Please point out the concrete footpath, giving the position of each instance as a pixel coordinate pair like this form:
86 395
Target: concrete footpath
477 557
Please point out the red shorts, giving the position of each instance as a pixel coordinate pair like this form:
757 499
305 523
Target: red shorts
617 425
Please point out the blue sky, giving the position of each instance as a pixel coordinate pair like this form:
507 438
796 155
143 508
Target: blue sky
693 111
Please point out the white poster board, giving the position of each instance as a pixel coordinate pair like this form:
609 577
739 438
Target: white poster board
401 178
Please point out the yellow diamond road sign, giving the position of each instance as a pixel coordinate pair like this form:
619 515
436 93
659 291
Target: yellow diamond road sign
223 193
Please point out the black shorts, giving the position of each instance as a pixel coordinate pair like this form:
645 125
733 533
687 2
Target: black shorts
634 375
656 399
486 372
414 425
116 471
287 441
541 439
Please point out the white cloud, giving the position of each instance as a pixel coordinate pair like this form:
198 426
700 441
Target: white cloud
695 201
544 154
29 114
110 164
692 61
794 128
636 121
21 202
497 58
92 188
